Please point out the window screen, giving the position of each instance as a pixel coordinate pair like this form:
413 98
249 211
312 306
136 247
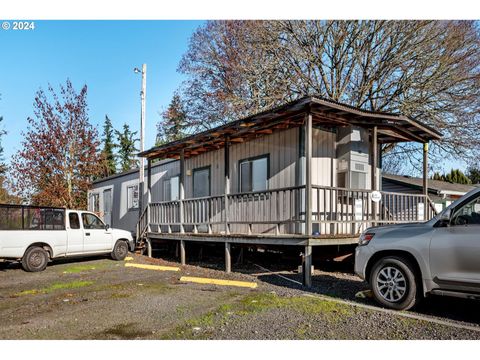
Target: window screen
132 197
201 182
254 174
94 205
171 189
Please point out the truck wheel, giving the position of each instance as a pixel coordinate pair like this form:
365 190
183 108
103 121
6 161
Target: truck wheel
394 283
120 250
35 259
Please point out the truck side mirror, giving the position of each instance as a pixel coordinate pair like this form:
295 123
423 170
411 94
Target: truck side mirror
107 226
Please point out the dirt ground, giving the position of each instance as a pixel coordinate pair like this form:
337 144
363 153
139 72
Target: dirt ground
99 298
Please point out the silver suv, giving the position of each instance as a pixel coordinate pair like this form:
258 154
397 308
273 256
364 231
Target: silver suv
404 263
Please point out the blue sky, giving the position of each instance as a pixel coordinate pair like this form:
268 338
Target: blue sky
101 54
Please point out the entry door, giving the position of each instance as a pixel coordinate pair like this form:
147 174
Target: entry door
96 237
455 250
201 188
107 206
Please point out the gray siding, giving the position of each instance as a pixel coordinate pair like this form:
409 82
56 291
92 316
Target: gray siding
285 168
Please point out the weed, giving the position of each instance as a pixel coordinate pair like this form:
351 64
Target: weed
55 287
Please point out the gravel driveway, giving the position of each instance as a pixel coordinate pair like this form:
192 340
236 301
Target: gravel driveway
103 299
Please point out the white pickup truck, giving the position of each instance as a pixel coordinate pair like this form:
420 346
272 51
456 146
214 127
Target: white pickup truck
35 235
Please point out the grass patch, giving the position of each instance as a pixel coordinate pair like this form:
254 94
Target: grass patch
204 326
55 287
306 305
75 269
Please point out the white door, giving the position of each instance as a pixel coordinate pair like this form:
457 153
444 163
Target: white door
96 237
74 234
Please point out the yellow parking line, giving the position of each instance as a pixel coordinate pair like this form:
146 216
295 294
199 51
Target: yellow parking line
219 282
152 267
128 258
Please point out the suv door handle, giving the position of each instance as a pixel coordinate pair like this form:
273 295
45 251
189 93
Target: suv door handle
87 234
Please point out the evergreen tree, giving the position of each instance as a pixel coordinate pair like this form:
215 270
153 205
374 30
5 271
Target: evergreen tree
455 176
437 176
126 148
474 174
173 125
108 156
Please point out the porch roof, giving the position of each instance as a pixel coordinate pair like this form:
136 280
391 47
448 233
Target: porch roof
391 127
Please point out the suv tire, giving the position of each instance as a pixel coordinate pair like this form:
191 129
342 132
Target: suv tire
394 283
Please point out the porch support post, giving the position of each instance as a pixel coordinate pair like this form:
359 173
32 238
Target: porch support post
374 158
308 175
228 258
374 179
307 266
149 193
307 260
226 155
182 189
183 259
149 181
425 178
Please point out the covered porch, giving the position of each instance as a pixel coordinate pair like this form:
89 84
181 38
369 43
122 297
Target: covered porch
306 214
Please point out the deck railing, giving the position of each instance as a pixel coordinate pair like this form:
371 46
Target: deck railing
335 211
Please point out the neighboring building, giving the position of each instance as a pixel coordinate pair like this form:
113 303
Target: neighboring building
116 198
301 174
441 193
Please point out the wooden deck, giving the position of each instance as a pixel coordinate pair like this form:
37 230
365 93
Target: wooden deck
259 239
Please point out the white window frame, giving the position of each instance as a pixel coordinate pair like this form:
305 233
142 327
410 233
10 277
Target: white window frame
251 161
94 200
132 203
168 190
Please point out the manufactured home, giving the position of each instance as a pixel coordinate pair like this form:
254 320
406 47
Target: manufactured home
305 174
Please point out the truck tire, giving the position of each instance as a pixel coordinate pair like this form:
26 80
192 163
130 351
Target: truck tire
35 259
394 283
120 250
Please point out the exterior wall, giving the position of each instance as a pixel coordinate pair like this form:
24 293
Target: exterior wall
324 162
286 166
121 217
282 147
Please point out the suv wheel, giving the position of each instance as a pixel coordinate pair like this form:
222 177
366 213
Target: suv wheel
35 259
394 283
120 250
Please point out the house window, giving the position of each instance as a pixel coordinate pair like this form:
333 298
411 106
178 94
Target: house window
201 182
254 174
94 202
171 189
132 197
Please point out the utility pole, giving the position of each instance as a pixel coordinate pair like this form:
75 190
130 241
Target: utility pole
143 94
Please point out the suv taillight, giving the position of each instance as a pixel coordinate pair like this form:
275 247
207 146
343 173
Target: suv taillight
365 238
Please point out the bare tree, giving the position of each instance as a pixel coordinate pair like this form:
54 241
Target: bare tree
427 70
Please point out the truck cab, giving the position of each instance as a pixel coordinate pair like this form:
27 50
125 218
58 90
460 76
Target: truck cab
35 235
